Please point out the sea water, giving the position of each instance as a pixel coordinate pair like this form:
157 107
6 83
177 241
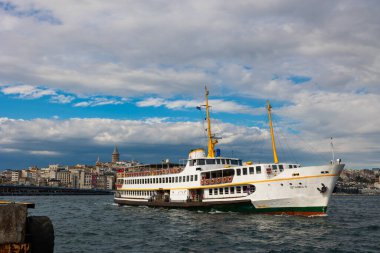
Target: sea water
96 224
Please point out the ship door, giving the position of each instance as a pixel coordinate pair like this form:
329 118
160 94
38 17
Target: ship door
196 195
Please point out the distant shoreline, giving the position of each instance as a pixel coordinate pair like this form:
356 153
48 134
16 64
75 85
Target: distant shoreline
355 194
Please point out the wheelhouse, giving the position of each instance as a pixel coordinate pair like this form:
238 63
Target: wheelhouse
214 161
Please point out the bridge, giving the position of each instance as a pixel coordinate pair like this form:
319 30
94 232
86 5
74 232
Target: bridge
23 190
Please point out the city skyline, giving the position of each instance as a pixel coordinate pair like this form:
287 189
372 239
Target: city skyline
76 79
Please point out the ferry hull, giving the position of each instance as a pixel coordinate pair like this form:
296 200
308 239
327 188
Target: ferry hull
242 206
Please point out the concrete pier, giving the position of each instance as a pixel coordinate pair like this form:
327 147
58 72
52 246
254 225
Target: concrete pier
22 234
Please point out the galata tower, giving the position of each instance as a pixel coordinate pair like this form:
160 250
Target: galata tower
115 155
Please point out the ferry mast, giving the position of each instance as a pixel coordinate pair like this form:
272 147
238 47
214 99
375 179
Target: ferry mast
212 141
269 107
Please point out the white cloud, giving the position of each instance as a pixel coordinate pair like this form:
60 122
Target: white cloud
67 138
44 152
27 91
62 99
99 101
217 105
135 48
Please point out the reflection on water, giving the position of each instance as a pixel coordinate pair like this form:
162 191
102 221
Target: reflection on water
96 224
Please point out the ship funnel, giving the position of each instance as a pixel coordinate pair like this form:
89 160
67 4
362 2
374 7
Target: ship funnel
197 153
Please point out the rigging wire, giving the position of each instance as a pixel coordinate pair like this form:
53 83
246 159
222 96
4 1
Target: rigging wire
309 148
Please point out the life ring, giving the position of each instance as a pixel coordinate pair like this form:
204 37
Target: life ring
225 179
218 180
229 179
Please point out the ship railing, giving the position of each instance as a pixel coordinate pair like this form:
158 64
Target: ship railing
174 170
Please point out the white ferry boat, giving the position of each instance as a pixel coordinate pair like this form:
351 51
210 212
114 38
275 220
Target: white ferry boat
211 182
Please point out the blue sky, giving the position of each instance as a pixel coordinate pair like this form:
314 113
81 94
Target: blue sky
78 78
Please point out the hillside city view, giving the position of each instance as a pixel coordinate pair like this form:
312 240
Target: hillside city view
103 175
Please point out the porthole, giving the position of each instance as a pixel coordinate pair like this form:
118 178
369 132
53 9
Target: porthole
252 188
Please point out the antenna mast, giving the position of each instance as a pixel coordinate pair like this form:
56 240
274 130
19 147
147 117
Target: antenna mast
211 139
332 149
269 107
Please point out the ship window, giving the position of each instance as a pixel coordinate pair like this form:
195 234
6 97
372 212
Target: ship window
192 162
176 179
210 161
251 170
167 180
226 190
196 178
180 179
274 167
290 166
295 166
150 180
238 172
187 178
238 189
209 191
244 171
218 161
170 179
184 179
146 180
201 161
223 161
232 190
228 161
258 169
216 191
191 178
281 167
234 162
220 191
244 188
240 163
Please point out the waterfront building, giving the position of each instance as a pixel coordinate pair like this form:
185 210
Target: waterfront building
85 181
110 182
64 177
15 176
